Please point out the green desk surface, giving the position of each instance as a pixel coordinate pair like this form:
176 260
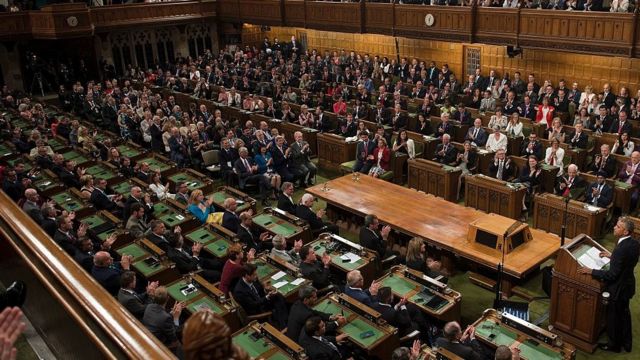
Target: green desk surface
532 351
147 270
275 225
356 327
202 235
423 298
123 188
155 164
623 185
26 162
75 156
134 250
67 202
284 289
319 248
205 303
264 269
160 208
93 221
280 355
56 144
399 285
219 197
192 182
330 307
503 336
5 150
45 183
219 248
174 291
104 235
99 171
128 151
253 348
172 218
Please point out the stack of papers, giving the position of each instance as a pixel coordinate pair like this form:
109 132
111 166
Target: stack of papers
592 208
592 259
351 257
297 281
280 284
180 217
278 275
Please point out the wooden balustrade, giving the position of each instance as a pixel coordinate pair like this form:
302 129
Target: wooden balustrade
72 311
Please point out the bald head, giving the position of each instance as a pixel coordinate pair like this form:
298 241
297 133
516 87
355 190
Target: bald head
102 259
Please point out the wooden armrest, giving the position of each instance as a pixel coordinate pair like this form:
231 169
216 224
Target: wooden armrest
409 337
389 259
261 316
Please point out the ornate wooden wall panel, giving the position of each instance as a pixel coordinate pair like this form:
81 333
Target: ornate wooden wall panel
605 33
266 12
334 16
229 10
453 24
496 26
379 18
294 13
15 25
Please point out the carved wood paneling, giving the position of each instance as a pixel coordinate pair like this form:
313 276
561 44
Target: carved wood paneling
452 24
496 26
379 18
333 16
228 10
294 12
266 12
15 25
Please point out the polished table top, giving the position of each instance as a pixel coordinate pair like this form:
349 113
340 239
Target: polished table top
440 222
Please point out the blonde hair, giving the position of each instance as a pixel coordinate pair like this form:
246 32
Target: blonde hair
193 199
414 249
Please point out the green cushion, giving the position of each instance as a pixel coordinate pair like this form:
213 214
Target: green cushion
347 167
388 175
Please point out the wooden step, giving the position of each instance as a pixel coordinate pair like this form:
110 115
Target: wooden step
482 281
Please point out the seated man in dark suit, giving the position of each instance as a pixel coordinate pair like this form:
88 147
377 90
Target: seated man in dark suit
228 157
302 310
317 345
66 237
132 301
135 224
463 115
579 138
137 196
285 200
249 237
446 153
248 173
182 194
190 261
355 282
532 147
102 201
604 162
304 212
159 235
501 168
144 173
316 271
230 219
364 153
463 344
107 275
405 316
49 223
599 193
253 298
476 134
162 324
70 174
571 183
374 239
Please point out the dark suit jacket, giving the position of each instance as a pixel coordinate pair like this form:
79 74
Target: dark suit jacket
317 273
576 188
249 238
227 159
449 156
108 277
185 263
316 349
135 303
285 204
160 323
398 318
619 279
609 166
304 213
251 302
163 244
361 295
230 221
469 351
626 127
537 150
481 137
609 100
148 210
605 198
101 201
372 241
299 314
507 170
581 142
49 226
70 179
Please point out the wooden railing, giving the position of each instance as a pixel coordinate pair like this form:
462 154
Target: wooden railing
75 316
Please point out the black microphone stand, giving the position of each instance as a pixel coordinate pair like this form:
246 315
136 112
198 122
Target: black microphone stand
564 218
498 299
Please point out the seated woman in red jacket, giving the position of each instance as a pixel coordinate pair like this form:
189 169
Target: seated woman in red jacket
381 157
340 107
232 270
544 113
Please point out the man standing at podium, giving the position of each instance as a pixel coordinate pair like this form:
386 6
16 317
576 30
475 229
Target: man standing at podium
621 284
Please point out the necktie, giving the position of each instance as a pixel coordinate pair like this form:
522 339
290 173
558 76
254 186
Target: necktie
620 128
475 133
366 148
327 342
500 169
253 288
246 165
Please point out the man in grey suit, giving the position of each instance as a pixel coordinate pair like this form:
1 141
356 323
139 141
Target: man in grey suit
279 250
132 301
31 206
299 162
136 224
162 324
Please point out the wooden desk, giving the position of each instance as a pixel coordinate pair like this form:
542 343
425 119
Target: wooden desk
280 222
548 213
272 271
621 191
193 179
102 224
47 183
407 283
204 296
493 195
333 150
366 264
71 200
244 201
495 329
441 223
172 216
361 318
150 262
434 178
216 239
263 341
549 173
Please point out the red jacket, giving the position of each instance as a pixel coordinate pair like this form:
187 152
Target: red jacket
545 119
386 156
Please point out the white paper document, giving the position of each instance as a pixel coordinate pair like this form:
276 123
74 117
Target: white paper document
351 257
280 284
297 281
278 275
592 259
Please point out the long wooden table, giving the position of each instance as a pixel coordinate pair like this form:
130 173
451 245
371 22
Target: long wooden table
440 222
